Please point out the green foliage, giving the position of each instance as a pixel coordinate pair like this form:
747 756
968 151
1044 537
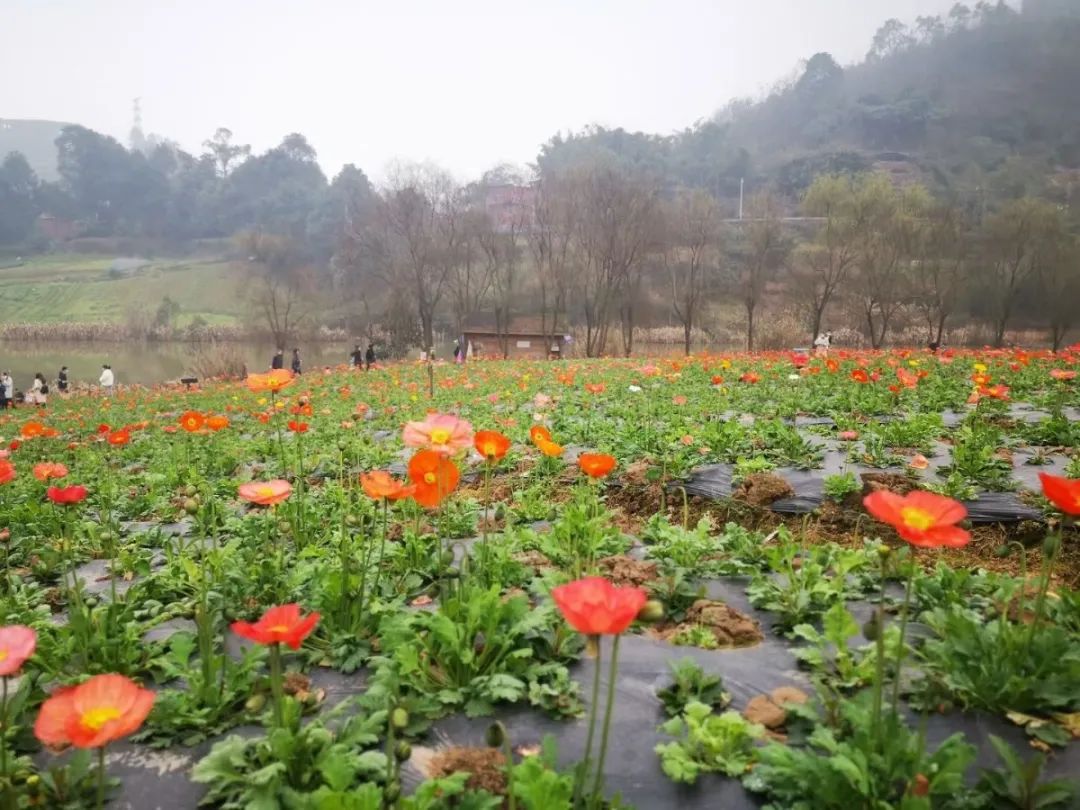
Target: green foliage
691 684
837 487
707 743
1017 784
858 767
832 659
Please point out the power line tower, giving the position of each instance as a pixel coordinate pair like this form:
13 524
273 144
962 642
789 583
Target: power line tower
137 138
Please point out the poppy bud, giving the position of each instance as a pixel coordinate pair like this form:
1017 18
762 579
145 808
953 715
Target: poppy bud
342 446
392 791
191 506
1051 545
871 627
399 718
447 558
190 490
652 611
255 703
284 527
884 551
496 734
403 751
920 786
452 573
352 520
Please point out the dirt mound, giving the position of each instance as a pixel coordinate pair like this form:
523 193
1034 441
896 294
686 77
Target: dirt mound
761 489
484 766
534 560
894 482
730 627
624 571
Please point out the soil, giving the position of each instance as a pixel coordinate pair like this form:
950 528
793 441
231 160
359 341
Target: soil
769 711
626 571
761 489
894 482
730 627
484 766
535 560
635 503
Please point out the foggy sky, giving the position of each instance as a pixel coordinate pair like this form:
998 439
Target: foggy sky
465 83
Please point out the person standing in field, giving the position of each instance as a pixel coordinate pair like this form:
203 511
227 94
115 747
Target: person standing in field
357 357
279 359
39 390
459 354
9 389
369 356
822 343
295 361
62 380
107 380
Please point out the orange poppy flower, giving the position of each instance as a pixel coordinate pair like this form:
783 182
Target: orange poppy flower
192 421
380 484
922 518
31 429
298 427
538 433
272 381
716 379
1062 374
118 438
265 493
434 476
594 606
48 469
550 449
94 713
595 388
860 375
283 624
750 377
7 471
596 465
1064 493
216 423
491 444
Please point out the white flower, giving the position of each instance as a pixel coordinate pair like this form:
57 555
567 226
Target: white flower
794 377
634 389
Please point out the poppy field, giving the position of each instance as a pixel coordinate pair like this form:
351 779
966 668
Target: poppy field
765 580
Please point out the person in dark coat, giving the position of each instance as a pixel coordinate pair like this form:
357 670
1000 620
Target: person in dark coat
357 356
369 356
279 359
296 361
62 380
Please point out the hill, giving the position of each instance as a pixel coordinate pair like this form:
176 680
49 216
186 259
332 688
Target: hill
35 140
983 101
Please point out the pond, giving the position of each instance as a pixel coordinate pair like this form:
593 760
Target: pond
138 361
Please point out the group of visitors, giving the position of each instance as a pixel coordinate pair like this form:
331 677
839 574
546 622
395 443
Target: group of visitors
38 392
363 358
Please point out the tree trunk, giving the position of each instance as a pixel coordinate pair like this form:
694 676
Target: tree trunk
749 326
686 338
940 327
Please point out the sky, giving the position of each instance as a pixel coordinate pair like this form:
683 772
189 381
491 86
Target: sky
466 84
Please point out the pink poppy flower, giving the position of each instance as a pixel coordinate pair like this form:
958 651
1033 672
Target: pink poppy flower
441 432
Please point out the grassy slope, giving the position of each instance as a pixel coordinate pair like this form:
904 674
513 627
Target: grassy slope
63 288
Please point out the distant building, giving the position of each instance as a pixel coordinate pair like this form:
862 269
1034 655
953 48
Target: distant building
899 168
56 229
511 208
524 335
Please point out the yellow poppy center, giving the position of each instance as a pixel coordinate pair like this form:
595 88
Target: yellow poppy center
440 435
429 478
96 718
915 518
3 655
490 449
279 628
266 492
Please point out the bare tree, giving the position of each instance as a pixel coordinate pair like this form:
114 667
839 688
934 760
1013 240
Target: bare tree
281 293
224 151
821 267
691 254
941 267
762 251
1059 284
470 278
551 238
1012 239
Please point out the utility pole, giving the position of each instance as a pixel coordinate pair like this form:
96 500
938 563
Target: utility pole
741 180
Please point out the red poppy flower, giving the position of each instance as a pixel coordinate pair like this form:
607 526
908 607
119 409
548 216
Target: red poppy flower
118 438
192 421
750 377
596 465
298 427
491 444
1064 493
434 476
103 429
94 713
265 493
48 469
67 495
279 625
380 484
995 391
860 375
717 379
906 378
922 518
17 643
594 606
7 471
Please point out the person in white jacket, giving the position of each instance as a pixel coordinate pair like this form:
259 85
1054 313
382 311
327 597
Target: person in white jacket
107 380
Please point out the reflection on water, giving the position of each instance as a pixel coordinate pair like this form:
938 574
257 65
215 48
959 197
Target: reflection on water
138 362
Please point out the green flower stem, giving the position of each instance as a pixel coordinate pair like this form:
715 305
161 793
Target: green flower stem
879 677
508 752
598 782
8 803
901 650
583 771
101 778
276 685
1044 586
